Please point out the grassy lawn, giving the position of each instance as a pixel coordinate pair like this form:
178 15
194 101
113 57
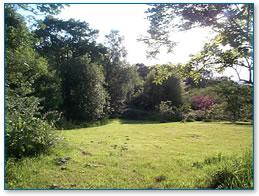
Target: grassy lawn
131 155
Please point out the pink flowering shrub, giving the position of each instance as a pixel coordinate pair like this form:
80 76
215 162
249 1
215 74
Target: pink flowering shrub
203 102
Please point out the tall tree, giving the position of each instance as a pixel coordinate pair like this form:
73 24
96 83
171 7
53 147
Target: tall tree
41 9
233 24
238 98
62 40
25 133
20 46
142 70
63 43
121 78
217 57
89 99
22 64
115 44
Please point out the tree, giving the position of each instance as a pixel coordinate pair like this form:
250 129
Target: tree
35 10
61 40
122 80
63 43
233 24
48 89
203 102
214 57
202 89
142 70
41 9
89 99
237 97
115 44
168 90
26 133
22 64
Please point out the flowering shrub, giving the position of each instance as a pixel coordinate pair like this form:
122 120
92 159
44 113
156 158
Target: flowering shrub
203 102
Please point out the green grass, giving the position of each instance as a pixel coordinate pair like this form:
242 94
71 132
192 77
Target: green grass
132 155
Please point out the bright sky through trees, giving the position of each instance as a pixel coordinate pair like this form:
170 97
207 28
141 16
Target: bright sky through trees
130 20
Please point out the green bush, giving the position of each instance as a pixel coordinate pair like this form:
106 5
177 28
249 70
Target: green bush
11 170
168 112
189 119
165 109
193 115
217 112
27 137
26 133
96 123
207 120
247 112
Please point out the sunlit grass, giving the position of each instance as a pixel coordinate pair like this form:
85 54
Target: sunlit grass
131 155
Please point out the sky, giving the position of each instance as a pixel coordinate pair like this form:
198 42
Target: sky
130 20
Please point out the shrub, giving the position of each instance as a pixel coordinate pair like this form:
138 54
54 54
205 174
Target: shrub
26 134
197 115
203 102
189 119
27 137
183 111
217 112
168 112
165 110
97 123
207 120
247 112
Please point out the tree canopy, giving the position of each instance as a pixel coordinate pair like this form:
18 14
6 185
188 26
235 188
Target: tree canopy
233 24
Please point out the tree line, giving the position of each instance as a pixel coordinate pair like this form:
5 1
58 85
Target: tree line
58 76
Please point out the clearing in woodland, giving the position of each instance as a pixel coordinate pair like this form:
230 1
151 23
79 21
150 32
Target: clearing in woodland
135 155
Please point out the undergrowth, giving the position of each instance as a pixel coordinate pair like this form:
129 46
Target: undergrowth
228 172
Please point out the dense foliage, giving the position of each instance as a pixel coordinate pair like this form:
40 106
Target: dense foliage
57 67
232 46
26 133
58 77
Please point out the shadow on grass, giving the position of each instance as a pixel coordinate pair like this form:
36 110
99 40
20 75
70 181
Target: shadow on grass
125 121
239 123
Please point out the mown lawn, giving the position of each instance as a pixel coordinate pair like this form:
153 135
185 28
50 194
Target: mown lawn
131 155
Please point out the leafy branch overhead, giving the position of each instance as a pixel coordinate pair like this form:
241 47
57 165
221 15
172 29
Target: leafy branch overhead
233 24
